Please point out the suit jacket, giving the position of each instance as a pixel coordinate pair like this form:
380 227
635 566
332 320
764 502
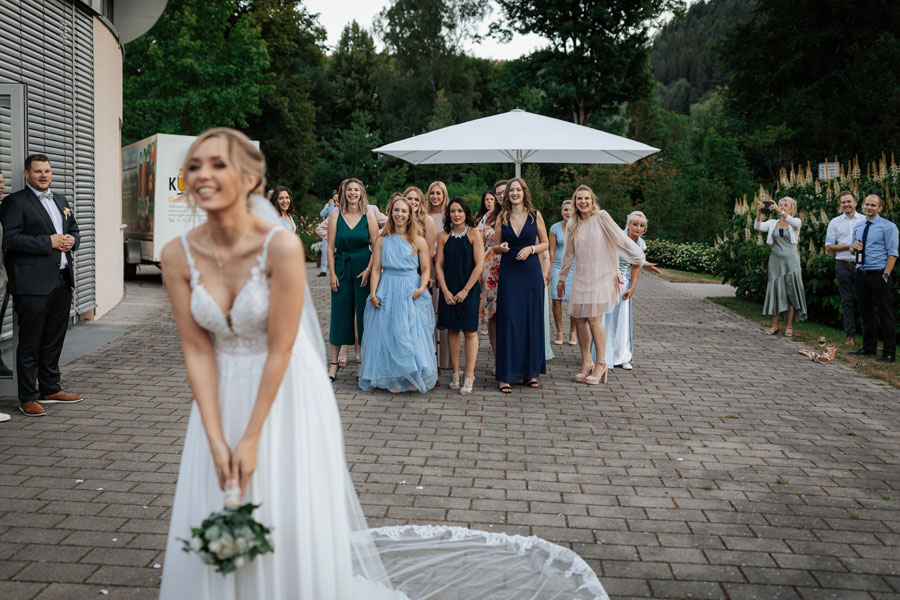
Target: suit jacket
32 263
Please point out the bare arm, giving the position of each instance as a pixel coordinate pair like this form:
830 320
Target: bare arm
372 224
500 246
376 272
424 251
439 268
430 234
477 254
635 271
552 240
199 356
287 272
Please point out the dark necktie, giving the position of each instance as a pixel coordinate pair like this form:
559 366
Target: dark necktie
862 259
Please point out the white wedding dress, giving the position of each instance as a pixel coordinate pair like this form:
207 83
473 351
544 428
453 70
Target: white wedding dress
323 550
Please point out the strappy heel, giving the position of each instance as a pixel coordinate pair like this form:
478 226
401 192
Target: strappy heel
601 378
454 380
333 377
468 383
582 376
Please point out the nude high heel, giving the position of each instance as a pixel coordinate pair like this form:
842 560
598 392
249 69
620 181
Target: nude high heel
581 377
601 378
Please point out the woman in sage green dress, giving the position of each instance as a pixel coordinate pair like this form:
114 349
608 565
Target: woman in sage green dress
351 228
784 293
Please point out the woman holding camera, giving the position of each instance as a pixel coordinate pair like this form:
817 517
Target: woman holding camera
784 293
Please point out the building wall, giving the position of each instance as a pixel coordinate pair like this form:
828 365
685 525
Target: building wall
108 160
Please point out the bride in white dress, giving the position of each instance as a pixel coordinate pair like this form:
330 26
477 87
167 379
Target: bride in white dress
265 417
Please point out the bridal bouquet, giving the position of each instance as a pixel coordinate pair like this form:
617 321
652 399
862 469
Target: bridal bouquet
231 537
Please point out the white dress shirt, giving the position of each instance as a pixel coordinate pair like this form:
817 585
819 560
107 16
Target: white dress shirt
56 216
840 231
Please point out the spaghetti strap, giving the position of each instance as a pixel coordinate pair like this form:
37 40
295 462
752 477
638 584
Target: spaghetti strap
190 257
265 248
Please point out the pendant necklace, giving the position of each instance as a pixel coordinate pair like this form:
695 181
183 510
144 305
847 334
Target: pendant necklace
220 261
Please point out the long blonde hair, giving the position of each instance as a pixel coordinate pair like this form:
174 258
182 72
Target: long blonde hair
412 225
443 188
343 203
243 157
420 211
506 205
576 220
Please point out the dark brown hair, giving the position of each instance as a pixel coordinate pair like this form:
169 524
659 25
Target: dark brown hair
274 200
35 158
448 225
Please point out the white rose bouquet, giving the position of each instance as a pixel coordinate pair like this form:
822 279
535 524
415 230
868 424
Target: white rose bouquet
231 537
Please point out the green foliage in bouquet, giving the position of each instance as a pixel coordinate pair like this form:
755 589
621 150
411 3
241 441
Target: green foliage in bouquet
694 257
230 538
743 253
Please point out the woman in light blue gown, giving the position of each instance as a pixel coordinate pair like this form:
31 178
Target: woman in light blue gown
398 340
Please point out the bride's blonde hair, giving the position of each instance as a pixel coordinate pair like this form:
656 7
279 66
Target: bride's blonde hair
244 158
576 220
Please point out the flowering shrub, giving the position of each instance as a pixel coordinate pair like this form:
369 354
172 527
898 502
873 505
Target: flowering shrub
306 229
694 257
743 252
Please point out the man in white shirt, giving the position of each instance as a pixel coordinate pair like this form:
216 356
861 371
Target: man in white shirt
837 241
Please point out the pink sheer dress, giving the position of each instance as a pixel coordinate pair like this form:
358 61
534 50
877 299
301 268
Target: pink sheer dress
595 247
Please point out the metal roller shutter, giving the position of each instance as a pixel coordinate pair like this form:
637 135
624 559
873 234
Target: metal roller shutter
48 46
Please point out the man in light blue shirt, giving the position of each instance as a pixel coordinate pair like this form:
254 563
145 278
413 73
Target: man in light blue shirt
874 246
838 240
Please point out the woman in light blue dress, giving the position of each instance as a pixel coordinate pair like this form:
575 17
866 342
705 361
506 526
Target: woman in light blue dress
398 340
557 245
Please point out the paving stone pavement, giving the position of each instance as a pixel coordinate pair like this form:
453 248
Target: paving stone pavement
724 466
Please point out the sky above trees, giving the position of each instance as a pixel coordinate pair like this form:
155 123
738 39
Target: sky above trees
335 14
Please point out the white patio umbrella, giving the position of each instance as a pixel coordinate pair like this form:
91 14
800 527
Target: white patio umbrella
517 137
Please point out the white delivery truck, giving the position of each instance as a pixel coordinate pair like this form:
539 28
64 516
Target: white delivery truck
154 206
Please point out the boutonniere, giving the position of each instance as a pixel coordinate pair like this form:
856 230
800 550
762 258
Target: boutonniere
66 212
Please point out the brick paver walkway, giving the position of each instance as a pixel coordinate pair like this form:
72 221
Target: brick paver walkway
724 466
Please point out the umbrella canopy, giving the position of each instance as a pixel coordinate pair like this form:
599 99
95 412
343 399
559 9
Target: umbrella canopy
517 137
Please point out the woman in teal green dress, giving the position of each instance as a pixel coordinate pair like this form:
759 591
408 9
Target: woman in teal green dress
352 228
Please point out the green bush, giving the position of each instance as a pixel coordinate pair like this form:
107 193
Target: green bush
743 253
693 257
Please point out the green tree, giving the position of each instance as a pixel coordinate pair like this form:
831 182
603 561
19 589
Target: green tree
423 34
286 122
815 79
198 67
353 71
598 52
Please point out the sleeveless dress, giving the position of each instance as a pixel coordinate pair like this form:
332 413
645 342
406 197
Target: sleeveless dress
490 276
351 257
398 345
557 230
521 351
323 549
459 263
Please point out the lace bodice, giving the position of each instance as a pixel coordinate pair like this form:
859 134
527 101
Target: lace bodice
244 329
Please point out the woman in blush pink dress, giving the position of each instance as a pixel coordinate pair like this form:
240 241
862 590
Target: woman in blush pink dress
437 199
593 242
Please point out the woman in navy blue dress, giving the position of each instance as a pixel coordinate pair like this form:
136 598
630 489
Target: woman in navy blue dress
520 236
458 264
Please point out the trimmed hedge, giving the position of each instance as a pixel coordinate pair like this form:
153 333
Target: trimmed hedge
743 252
693 257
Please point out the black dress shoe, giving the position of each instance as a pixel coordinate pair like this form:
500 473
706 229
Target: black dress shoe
862 352
885 358
321 275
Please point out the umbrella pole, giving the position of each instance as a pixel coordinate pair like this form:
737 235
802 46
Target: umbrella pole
518 169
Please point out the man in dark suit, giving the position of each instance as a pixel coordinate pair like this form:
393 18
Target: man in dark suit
39 235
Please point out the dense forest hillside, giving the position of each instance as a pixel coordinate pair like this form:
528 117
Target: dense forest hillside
684 60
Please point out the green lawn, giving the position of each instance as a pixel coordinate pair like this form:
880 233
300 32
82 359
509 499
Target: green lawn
808 333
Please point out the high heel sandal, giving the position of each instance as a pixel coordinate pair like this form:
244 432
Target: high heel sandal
454 380
466 388
582 376
559 340
601 378
333 377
